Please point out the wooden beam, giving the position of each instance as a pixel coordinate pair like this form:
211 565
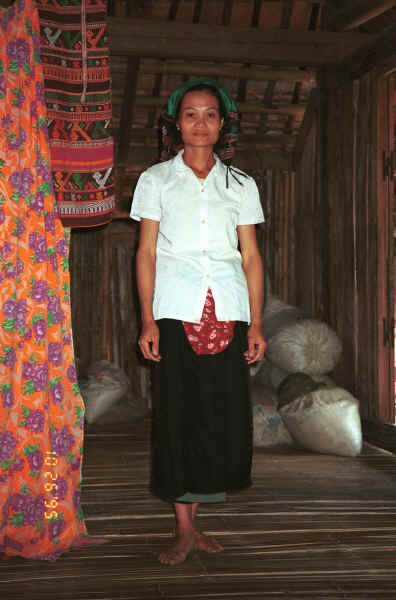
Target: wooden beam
270 90
197 11
296 110
162 39
252 74
139 158
313 24
306 124
320 2
149 137
128 105
174 5
264 144
371 56
126 119
380 434
260 159
262 140
227 12
287 11
351 19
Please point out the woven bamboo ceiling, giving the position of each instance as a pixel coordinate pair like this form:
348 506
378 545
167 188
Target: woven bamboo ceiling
268 53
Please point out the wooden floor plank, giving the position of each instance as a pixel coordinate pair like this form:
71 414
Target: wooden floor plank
312 527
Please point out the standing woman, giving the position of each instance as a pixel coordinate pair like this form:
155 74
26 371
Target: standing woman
201 301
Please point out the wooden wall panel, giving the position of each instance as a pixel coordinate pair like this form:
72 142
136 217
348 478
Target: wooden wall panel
365 203
104 300
353 234
341 235
311 227
306 225
336 228
279 247
87 268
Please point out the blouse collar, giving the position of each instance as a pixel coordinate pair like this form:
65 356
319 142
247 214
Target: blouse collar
181 166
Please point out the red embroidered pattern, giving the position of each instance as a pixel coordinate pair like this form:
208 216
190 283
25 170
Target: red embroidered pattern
210 336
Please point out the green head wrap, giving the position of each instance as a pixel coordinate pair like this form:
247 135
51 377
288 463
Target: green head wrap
176 97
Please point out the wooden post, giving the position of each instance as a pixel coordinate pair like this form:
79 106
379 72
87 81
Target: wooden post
385 185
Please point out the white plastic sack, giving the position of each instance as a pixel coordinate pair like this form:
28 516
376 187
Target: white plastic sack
260 372
307 346
270 375
277 315
326 420
105 385
268 427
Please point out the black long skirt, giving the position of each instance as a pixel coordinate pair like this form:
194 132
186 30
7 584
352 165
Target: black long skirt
202 422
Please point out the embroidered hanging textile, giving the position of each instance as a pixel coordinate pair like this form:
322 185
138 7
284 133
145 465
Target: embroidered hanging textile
76 67
41 409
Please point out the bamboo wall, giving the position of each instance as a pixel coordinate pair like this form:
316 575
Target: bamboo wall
311 224
104 301
352 240
297 230
280 235
336 229
319 245
327 236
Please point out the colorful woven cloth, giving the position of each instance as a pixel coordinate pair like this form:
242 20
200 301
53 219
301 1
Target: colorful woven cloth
75 59
41 409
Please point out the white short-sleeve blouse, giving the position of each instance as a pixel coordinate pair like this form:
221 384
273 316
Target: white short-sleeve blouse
197 244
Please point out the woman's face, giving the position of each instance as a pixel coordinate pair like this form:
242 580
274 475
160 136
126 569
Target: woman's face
199 119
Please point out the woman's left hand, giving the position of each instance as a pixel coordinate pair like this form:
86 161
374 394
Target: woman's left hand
256 344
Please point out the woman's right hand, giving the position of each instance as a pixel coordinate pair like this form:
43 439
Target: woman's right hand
149 341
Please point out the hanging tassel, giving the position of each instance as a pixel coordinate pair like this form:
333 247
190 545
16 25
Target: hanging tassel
84 51
232 170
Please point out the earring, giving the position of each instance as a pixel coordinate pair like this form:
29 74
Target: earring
178 127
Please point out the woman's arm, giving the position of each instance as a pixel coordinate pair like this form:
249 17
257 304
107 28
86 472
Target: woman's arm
253 269
145 272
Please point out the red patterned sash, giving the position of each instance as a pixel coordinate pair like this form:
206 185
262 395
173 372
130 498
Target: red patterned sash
210 336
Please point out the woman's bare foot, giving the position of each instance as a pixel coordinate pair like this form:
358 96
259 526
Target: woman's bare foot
179 551
207 543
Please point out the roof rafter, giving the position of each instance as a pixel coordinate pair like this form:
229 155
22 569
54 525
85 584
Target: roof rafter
140 157
149 137
346 20
296 110
287 11
186 68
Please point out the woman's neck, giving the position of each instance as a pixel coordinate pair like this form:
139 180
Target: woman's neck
200 160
